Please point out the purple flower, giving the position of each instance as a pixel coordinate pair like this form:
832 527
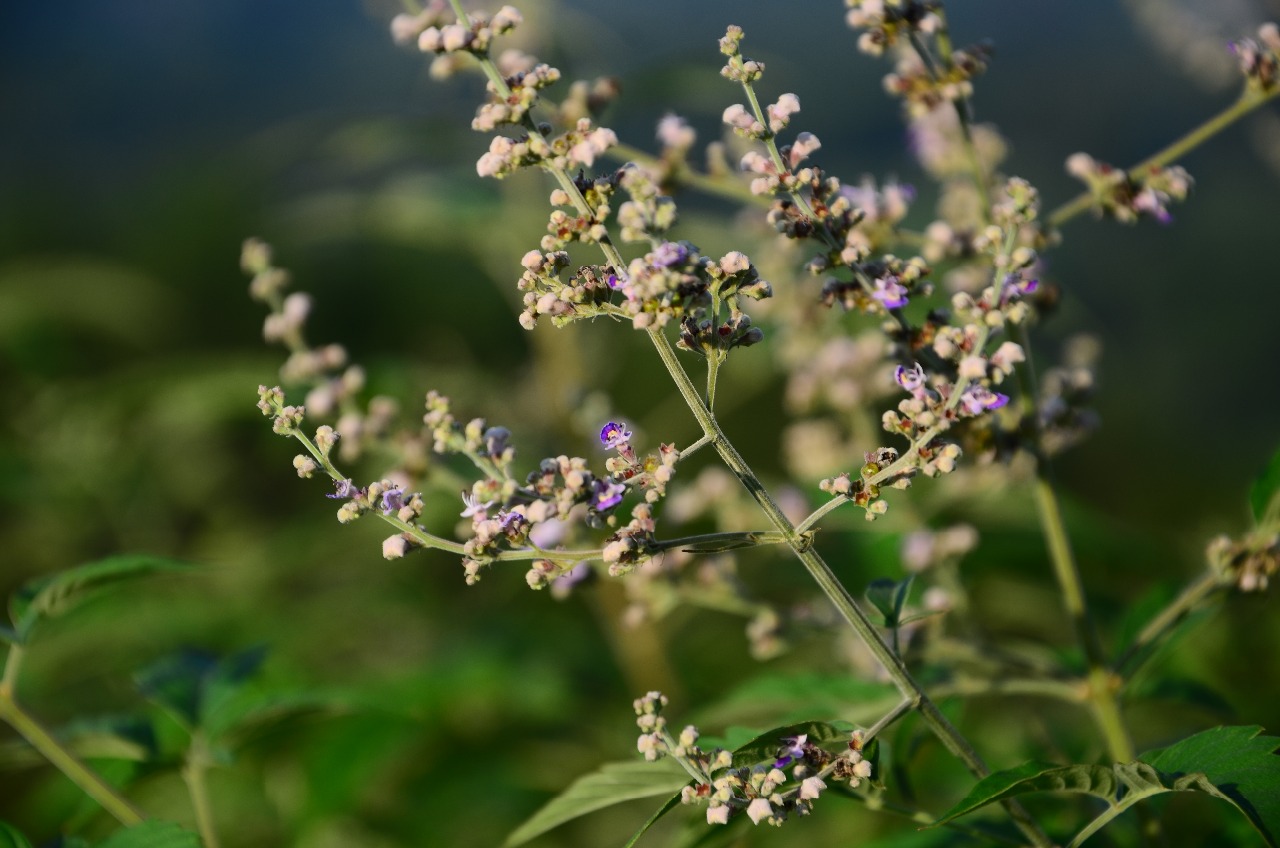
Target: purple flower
565 582
345 489
474 507
978 399
612 281
510 522
669 253
614 434
392 500
889 292
911 379
1016 287
606 494
792 751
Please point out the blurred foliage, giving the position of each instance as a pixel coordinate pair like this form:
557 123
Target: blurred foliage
129 355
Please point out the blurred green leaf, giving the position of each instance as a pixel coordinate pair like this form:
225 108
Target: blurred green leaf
245 709
1264 495
1183 693
10 837
189 683
1240 762
1139 612
612 784
152 834
790 697
54 595
889 597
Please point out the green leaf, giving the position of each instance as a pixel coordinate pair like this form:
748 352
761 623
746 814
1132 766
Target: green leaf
187 684
649 822
1182 694
889 597
53 595
11 837
238 711
612 784
1120 785
792 697
1263 495
1234 764
152 834
1240 762
9 635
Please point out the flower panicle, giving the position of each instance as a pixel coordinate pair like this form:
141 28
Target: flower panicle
769 791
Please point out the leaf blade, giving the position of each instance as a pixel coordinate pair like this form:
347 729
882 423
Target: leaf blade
611 784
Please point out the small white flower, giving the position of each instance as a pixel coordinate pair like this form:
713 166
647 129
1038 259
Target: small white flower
759 809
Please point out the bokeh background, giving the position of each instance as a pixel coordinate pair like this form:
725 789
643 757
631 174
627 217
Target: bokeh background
143 142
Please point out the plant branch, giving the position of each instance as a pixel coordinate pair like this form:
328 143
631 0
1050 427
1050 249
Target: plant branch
1250 100
89 781
801 546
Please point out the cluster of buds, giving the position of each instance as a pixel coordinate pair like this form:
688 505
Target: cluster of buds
1250 562
672 281
333 384
887 21
577 148
474 35
1260 60
487 446
568 224
1065 392
385 496
768 791
511 98
863 492
850 222
1126 197
853 221
586 294
650 473
923 88
738 68
649 213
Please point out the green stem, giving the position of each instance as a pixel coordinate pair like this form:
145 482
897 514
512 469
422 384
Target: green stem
698 445
89 781
801 546
1103 685
903 707
713 371
1250 100
193 775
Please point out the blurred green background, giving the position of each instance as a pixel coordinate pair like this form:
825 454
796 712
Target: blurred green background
143 142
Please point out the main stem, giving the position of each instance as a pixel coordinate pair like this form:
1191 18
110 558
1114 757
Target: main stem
801 545
52 750
1102 684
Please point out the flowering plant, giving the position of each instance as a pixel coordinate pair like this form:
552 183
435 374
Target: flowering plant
928 327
